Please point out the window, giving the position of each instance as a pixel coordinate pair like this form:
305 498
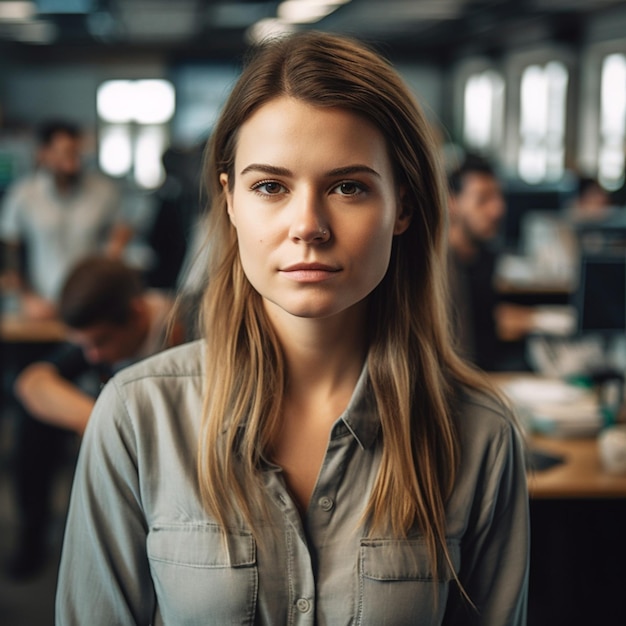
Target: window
612 121
483 109
543 99
133 128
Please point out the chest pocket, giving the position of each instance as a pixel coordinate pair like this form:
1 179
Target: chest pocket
200 578
397 585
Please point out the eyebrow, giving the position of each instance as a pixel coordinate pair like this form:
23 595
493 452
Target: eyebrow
283 171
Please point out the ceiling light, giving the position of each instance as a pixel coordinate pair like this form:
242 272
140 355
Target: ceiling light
151 101
307 11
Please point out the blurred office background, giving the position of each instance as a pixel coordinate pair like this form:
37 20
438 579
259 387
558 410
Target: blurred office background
536 86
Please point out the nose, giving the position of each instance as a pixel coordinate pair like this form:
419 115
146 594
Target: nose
309 223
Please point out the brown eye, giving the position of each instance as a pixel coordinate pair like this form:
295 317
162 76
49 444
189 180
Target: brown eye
349 188
269 188
272 187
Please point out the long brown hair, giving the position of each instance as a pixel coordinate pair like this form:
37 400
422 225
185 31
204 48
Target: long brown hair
412 368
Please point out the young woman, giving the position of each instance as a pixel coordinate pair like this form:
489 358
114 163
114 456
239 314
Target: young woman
322 456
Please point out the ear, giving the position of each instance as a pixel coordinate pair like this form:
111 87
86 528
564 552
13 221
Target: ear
229 197
402 223
403 217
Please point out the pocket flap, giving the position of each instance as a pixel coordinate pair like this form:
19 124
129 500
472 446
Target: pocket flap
201 545
404 559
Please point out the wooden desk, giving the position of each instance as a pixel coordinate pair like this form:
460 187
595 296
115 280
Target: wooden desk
17 329
538 288
580 476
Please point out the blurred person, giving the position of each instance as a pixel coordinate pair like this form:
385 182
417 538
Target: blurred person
58 214
111 321
322 456
592 201
476 208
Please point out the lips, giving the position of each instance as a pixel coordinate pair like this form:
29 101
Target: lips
312 267
310 272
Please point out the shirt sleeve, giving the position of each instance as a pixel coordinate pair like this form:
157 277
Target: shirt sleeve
104 575
495 550
69 361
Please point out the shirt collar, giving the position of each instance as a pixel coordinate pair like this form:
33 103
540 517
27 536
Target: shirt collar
360 418
47 180
361 415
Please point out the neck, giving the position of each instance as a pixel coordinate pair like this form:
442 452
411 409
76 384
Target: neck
324 357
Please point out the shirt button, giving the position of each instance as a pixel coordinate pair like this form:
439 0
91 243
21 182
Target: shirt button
303 605
326 503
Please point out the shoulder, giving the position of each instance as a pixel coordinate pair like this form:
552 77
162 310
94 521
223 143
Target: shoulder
165 383
484 404
482 419
491 474
23 187
161 394
95 177
96 182
185 361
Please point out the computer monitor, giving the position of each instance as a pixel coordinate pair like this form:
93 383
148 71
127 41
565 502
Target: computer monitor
603 235
600 299
522 200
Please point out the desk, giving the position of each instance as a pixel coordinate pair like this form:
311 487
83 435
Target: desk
561 289
578 535
580 476
17 329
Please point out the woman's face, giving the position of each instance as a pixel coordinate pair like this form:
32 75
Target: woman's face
315 207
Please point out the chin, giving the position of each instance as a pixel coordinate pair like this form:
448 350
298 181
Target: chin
313 312
319 308
309 308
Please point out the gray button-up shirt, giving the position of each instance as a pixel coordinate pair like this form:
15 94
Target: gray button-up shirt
140 548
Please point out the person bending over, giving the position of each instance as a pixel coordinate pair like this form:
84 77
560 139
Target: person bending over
111 322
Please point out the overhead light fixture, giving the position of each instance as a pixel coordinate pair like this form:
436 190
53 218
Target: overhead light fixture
307 11
16 11
150 101
290 15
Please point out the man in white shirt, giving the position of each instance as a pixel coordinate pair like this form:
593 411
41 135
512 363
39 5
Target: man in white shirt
58 214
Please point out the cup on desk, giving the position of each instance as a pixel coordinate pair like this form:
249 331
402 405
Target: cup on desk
612 444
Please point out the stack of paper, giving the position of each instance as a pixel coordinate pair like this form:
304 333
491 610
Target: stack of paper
554 407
